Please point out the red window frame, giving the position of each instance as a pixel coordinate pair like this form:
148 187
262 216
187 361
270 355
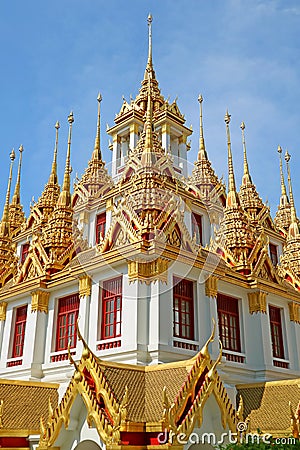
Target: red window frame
276 332
111 308
24 252
197 228
229 322
67 315
100 227
273 253
183 308
19 331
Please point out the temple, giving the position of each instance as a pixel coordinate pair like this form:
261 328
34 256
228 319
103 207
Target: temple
151 303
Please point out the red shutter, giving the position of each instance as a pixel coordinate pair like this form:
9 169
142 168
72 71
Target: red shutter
276 332
229 326
183 309
100 227
19 332
68 308
112 308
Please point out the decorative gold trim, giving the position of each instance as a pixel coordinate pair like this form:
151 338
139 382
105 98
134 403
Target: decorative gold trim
85 286
39 301
3 306
148 271
257 302
211 286
294 310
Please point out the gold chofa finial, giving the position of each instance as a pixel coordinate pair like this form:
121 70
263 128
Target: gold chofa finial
202 152
16 196
246 176
97 148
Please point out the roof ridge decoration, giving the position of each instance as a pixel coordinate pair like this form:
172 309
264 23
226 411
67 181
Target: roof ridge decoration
8 257
290 259
42 210
95 181
236 237
203 182
248 195
282 218
110 415
16 213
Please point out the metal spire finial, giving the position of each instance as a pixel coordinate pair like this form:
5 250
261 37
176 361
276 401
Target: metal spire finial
294 228
97 149
148 154
232 198
53 174
16 196
284 198
202 152
149 20
246 176
5 217
65 195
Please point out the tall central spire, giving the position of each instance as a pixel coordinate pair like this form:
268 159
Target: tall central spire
149 72
232 197
148 156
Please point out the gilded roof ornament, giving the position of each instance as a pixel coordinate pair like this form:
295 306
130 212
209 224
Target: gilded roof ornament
246 177
232 197
65 195
5 226
202 152
294 226
97 149
53 176
283 214
16 213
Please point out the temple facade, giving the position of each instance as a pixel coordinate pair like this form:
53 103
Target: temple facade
153 299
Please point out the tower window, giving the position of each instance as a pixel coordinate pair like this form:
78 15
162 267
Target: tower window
100 227
183 309
273 253
229 327
276 332
24 252
68 308
112 308
197 228
19 331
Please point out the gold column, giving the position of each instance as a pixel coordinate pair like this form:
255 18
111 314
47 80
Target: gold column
211 286
3 306
39 301
85 286
257 302
294 310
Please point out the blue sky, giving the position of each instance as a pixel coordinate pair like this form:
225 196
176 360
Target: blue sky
243 55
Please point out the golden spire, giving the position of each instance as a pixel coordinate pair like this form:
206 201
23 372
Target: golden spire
202 152
284 198
65 195
53 174
148 156
97 149
16 196
246 177
4 230
293 228
232 197
149 62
